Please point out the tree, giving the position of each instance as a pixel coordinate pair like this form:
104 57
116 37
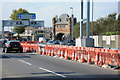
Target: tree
108 25
13 16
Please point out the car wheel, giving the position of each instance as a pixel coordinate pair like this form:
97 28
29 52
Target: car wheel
3 50
21 51
6 50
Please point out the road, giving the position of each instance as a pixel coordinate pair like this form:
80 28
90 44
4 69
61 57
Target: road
33 66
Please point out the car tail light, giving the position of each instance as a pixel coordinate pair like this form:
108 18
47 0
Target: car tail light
8 45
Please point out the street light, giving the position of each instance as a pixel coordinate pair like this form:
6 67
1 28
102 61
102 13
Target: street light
72 23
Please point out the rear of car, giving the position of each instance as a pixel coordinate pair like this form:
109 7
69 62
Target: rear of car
13 46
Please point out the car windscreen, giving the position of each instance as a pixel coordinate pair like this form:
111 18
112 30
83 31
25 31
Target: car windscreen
14 43
50 41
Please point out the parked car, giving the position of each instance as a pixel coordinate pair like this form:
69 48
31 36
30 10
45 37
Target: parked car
12 45
63 43
57 42
71 43
50 42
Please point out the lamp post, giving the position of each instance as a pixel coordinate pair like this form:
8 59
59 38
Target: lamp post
81 22
72 23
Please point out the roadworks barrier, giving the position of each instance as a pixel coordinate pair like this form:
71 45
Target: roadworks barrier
90 55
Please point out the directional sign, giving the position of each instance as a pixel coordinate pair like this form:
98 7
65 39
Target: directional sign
20 23
36 23
23 23
26 16
7 23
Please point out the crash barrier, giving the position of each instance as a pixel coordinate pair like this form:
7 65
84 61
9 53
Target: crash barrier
30 46
97 56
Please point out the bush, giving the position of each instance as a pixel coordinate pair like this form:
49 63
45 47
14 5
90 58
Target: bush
112 33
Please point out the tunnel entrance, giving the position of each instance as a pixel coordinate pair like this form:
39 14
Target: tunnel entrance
59 36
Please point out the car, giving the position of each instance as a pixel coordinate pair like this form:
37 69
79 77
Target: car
71 42
63 43
50 42
57 42
12 45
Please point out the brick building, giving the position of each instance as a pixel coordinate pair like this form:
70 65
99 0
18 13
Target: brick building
62 26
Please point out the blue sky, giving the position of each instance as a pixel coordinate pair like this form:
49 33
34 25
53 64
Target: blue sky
47 10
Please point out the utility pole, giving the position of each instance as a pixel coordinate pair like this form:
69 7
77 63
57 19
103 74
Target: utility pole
81 22
88 20
72 23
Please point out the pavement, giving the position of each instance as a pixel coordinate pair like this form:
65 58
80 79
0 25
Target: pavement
31 66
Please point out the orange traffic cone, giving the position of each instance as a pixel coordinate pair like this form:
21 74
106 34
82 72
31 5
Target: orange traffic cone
73 55
59 53
62 54
82 58
52 52
66 54
101 61
97 56
89 57
76 56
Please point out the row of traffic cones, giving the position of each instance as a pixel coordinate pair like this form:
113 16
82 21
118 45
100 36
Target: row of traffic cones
76 56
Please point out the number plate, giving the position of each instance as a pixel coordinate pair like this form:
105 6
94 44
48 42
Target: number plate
15 48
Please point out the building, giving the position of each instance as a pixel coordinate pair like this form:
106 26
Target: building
7 34
62 26
36 32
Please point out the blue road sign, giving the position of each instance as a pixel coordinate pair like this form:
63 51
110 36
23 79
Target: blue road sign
27 16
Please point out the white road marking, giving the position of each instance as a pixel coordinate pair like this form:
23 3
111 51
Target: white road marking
25 62
41 68
52 72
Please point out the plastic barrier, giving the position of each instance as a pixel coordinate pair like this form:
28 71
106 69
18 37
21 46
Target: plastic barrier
30 46
97 56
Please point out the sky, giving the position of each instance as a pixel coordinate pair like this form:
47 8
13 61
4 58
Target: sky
47 9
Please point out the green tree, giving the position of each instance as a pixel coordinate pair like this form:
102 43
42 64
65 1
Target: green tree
14 15
108 25
76 33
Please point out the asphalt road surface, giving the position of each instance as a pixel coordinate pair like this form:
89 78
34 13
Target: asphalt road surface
24 66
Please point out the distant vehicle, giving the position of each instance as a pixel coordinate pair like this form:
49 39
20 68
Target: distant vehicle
63 43
57 42
50 42
42 39
71 43
12 45
60 42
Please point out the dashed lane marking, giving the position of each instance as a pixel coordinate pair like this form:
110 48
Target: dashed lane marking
25 62
52 72
44 69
